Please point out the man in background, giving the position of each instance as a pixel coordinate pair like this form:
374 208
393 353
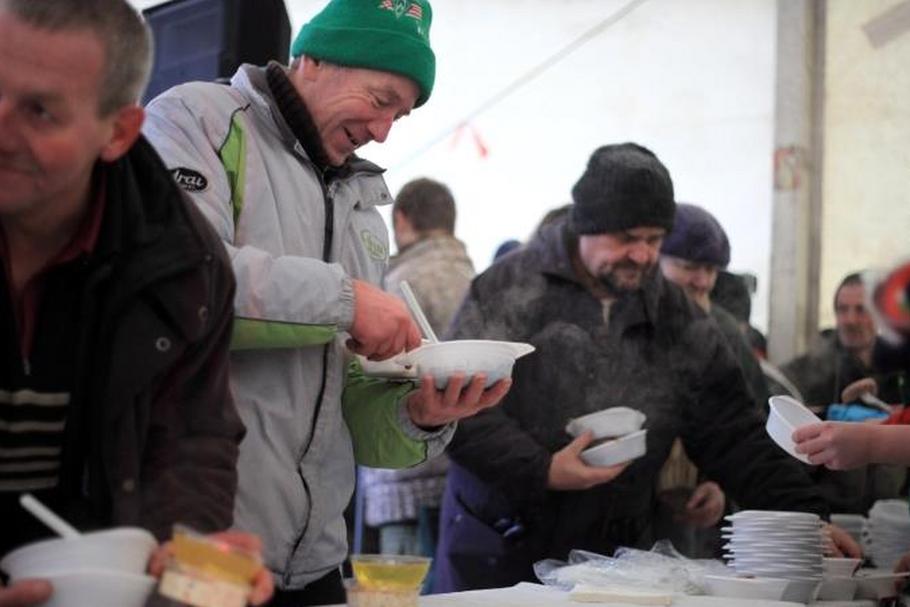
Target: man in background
404 504
838 370
433 261
692 255
844 356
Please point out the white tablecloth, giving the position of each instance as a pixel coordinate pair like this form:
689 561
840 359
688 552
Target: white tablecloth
536 595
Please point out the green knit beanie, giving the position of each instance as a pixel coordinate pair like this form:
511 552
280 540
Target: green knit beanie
386 35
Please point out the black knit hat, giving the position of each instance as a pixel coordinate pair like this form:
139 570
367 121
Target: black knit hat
624 186
697 236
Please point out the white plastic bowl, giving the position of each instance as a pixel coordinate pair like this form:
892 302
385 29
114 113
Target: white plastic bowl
391 368
778 517
125 550
617 451
877 583
788 414
615 421
771 589
84 588
469 356
840 567
837 588
802 590
397 367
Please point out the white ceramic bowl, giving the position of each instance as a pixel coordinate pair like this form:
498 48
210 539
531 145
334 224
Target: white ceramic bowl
616 451
469 356
788 414
837 588
840 567
125 550
877 584
771 589
615 421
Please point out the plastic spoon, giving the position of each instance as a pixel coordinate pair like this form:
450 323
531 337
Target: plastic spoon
417 311
873 401
48 517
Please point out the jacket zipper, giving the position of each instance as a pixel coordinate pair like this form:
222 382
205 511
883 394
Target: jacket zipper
328 236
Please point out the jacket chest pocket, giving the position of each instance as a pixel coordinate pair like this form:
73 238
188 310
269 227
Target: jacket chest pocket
144 351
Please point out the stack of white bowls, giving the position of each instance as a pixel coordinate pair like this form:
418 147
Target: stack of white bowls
103 569
618 436
887 535
785 545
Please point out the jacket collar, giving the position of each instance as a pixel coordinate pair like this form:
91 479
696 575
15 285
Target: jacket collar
555 245
421 247
296 114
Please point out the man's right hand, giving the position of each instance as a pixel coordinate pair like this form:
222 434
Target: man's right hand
25 593
854 391
837 445
382 325
569 473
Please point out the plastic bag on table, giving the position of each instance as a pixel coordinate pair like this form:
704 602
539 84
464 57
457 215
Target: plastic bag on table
661 568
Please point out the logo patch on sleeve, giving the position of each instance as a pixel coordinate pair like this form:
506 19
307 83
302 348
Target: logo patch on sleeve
190 180
374 246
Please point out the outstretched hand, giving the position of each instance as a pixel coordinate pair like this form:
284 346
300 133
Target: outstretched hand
837 445
855 390
568 472
429 407
706 505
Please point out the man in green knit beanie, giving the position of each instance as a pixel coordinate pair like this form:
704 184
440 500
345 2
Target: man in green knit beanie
271 162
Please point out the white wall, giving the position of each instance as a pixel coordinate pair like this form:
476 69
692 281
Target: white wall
866 219
691 79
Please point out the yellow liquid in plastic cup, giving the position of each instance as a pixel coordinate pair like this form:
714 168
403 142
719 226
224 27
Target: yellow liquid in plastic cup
389 572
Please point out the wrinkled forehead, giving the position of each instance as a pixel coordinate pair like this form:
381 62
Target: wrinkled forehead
38 61
405 89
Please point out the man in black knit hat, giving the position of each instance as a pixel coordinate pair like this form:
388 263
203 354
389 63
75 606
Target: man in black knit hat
609 331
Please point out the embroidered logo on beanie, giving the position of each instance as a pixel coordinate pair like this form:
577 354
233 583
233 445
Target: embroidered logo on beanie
403 7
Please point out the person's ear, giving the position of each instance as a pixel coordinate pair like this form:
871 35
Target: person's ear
310 68
125 128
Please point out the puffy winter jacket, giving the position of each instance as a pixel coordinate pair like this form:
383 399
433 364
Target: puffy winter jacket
296 239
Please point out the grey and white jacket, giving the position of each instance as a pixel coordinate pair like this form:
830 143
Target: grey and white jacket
232 150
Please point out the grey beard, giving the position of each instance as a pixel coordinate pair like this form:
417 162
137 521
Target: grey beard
607 280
